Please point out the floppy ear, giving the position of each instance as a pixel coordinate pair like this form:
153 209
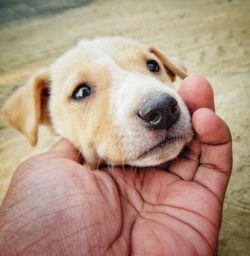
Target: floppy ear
28 106
171 67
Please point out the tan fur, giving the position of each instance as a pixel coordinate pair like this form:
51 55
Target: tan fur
171 68
24 110
90 124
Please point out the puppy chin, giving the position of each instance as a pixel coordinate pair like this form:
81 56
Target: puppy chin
162 154
158 156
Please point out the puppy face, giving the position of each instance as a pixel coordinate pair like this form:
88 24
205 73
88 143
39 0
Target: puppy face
112 98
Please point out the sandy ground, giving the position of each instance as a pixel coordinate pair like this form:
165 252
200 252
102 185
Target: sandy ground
211 37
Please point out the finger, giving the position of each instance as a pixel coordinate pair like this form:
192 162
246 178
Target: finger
216 152
197 93
185 166
65 149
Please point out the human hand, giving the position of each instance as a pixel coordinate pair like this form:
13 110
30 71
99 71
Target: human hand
55 206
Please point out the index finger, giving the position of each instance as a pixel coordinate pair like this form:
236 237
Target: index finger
65 149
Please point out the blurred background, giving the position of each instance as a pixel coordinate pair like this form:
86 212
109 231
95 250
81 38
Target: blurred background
211 37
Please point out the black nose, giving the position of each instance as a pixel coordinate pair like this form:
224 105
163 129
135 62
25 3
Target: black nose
160 112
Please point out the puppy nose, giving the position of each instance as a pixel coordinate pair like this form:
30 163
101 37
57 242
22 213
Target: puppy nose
160 112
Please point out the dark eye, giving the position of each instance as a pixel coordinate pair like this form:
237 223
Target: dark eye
153 66
81 92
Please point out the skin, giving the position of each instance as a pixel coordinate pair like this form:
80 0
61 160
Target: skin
55 206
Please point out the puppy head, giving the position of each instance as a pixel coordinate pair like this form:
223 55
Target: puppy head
112 98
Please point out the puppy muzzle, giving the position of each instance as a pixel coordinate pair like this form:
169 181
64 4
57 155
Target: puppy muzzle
159 112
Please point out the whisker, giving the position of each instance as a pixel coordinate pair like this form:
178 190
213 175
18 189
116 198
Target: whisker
109 168
123 167
98 164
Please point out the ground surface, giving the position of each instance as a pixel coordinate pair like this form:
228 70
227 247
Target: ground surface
211 37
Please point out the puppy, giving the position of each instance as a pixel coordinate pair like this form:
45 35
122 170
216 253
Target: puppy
112 98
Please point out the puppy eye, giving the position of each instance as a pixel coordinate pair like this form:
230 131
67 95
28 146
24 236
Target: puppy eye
81 92
153 66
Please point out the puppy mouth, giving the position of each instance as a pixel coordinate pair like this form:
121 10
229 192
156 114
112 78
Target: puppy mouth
161 144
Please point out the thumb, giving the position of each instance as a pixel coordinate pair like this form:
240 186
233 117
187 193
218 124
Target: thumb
66 149
216 152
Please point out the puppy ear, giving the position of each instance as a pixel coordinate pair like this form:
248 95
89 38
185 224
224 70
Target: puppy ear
171 67
28 106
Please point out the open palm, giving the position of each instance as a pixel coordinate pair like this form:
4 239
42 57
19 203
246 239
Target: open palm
56 207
